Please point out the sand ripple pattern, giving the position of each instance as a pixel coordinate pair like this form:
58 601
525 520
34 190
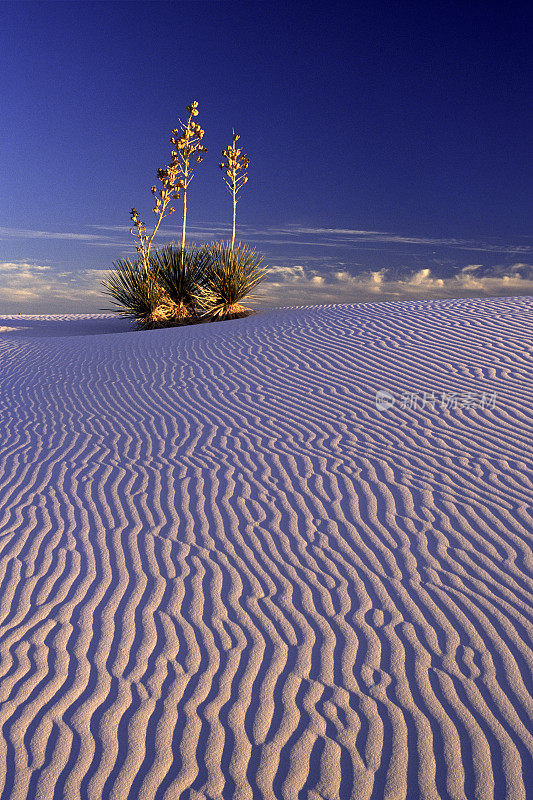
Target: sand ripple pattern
225 574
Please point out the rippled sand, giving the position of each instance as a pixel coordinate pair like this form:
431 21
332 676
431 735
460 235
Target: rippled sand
225 574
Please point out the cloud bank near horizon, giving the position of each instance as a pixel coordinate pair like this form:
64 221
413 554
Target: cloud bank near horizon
33 288
36 288
299 285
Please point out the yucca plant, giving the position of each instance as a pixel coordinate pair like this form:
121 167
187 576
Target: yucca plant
232 274
134 288
180 272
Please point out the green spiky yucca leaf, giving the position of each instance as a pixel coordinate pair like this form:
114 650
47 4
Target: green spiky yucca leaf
134 288
180 271
232 274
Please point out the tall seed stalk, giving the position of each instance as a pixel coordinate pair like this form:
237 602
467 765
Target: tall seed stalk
234 161
187 140
169 191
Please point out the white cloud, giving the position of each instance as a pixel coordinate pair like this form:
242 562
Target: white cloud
385 237
368 281
97 274
113 236
424 280
286 274
303 286
34 287
18 266
88 238
14 293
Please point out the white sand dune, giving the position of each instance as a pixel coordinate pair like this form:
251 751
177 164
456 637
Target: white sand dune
224 573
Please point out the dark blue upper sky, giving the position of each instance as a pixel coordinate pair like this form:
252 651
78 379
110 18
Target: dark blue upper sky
407 119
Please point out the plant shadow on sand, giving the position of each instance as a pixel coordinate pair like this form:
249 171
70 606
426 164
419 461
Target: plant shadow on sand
67 325
27 327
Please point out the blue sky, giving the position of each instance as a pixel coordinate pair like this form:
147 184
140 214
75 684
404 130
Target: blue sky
390 143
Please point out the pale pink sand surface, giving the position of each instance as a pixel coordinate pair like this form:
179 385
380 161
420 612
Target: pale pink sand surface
225 573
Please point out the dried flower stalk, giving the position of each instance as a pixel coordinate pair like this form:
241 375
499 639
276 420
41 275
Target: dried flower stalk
174 178
234 161
187 140
170 190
